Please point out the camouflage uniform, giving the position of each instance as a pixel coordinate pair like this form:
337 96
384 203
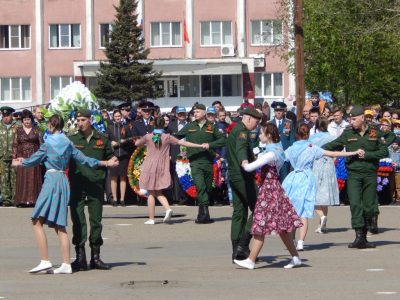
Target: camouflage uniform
7 173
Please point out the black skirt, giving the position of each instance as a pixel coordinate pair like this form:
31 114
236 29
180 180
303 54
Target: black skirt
121 169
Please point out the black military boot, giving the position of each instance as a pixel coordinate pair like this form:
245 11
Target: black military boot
367 244
373 224
80 263
360 241
203 216
95 261
243 250
234 249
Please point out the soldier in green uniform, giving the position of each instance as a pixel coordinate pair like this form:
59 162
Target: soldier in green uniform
7 173
202 131
87 187
361 182
244 189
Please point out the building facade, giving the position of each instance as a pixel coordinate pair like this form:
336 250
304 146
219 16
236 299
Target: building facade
207 49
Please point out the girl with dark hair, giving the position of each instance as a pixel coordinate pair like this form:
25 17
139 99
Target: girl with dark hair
300 184
27 140
327 191
273 212
51 207
155 175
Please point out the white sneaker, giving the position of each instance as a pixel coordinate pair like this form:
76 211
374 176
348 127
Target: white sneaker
300 245
43 266
324 219
318 230
247 263
168 215
295 262
150 222
63 269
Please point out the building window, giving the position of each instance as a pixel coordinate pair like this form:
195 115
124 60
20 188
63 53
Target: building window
216 33
105 30
190 86
269 84
65 36
15 36
15 89
266 32
165 34
211 86
57 83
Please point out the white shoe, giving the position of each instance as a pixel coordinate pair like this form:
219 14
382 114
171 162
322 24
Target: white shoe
324 219
247 263
150 222
168 215
318 230
295 262
63 269
43 266
300 245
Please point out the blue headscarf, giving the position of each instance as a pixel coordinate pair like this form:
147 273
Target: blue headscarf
277 149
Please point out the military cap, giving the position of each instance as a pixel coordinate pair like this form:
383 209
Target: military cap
125 105
86 113
199 106
180 109
369 112
356 111
146 105
397 141
211 110
6 110
252 112
396 123
278 105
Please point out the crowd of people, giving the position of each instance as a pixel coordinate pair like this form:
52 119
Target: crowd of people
276 170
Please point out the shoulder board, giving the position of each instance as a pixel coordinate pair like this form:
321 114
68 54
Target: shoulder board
348 128
72 133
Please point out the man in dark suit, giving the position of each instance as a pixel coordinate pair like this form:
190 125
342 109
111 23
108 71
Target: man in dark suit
144 125
174 126
286 132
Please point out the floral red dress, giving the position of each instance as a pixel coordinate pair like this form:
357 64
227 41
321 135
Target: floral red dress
273 213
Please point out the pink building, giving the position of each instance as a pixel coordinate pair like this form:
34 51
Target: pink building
55 42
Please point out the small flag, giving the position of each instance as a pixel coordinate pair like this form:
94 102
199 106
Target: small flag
185 33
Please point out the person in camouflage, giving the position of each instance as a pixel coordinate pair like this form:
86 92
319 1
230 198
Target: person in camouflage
7 173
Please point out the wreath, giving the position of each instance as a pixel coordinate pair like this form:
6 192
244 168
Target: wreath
134 170
184 174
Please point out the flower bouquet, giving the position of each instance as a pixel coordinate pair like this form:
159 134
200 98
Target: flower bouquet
384 169
134 170
72 98
184 174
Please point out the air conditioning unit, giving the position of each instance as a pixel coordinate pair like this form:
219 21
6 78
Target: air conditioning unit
259 60
227 50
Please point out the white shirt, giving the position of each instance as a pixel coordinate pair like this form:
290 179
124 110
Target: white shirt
337 129
268 158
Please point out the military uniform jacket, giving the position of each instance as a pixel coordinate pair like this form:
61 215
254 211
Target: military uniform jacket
99 147
239 149
373 142
6 140
286 132
141 129
209 133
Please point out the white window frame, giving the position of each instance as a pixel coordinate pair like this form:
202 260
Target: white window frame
100 37
260 24
159 24
272 85
71 79
19 38
20 89
221 34
69 36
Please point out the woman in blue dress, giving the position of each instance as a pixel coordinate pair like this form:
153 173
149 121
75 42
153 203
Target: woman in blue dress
300 185
327 191
51 207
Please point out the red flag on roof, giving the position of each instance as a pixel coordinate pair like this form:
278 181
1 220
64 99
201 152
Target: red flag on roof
185 33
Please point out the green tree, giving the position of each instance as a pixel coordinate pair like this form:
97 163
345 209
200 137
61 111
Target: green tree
126 75
351 48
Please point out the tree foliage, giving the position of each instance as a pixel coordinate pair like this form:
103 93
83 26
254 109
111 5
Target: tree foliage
352 48
125 75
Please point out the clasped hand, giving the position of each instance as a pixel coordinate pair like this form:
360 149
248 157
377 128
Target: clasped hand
17 162
360 153
113 162
205 146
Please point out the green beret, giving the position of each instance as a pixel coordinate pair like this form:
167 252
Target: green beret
357 110
6 110
86 113
199 106
252 112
